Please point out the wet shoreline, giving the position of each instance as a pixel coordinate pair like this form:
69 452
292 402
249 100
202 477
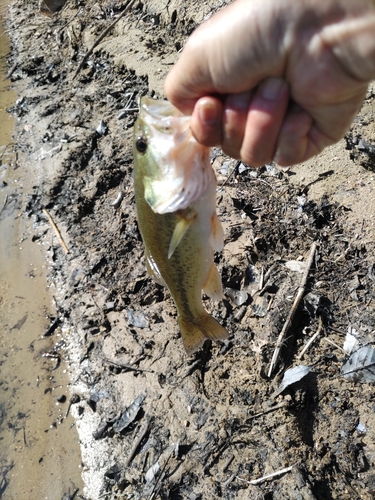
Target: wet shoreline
37 443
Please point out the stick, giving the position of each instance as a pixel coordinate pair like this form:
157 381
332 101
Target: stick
229 480
316 334
334 345
11 71
103 35
54 227
274 408
159 479
125 366
268 476
4 204
137 442
229 176
297 300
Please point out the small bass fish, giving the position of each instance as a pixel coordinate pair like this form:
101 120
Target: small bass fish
175 192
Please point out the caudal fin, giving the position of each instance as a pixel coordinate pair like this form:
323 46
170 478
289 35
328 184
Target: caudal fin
195 332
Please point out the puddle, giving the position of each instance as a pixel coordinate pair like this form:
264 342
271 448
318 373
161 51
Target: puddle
39 449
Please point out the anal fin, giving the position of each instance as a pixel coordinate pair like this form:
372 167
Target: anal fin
213 286
216 234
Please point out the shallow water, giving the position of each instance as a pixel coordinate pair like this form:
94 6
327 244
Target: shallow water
39 450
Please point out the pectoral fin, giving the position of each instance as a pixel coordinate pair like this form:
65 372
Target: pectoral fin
213 286
186 218
217 233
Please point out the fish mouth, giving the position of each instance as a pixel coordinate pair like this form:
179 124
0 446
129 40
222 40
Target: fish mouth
162 116
158 109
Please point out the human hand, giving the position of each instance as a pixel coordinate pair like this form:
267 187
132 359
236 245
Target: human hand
276 81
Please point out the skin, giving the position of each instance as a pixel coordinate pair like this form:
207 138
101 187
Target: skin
273 80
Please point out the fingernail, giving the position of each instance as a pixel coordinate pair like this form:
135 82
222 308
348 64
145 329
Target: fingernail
278 158
272 88
208 112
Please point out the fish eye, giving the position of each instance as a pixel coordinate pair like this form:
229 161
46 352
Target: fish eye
141 145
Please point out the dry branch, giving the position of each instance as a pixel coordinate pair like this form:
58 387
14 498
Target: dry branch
316 334
102 36
55 228
297 300
268 476
137 442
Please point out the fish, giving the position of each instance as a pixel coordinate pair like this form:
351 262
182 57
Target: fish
175 195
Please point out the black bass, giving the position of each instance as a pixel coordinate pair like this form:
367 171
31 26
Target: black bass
175 192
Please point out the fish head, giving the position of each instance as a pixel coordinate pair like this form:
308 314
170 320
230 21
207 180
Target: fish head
174 167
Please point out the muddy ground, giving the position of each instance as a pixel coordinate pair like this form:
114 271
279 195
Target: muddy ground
154 423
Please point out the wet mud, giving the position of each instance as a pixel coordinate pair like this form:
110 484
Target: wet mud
153 422
39 449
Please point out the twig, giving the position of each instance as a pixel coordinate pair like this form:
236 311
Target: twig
55 228
266 276
336 330
334 345
52 327
4 204
316 334
297 300
228 462
103 35
125 366
229 480
229 176
160 478
268 476
270 410
11 71
261 280
3 153
137 442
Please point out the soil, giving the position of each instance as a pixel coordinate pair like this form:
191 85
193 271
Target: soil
153 422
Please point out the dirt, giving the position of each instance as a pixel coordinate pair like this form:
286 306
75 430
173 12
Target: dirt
152 422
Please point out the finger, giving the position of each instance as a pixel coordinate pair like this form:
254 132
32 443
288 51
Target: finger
294 144
234 122
264 122
206 121
306 133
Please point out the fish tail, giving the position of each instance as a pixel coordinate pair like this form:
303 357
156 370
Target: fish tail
195 332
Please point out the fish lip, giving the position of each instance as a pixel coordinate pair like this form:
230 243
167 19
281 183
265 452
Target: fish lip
161 115
158 109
